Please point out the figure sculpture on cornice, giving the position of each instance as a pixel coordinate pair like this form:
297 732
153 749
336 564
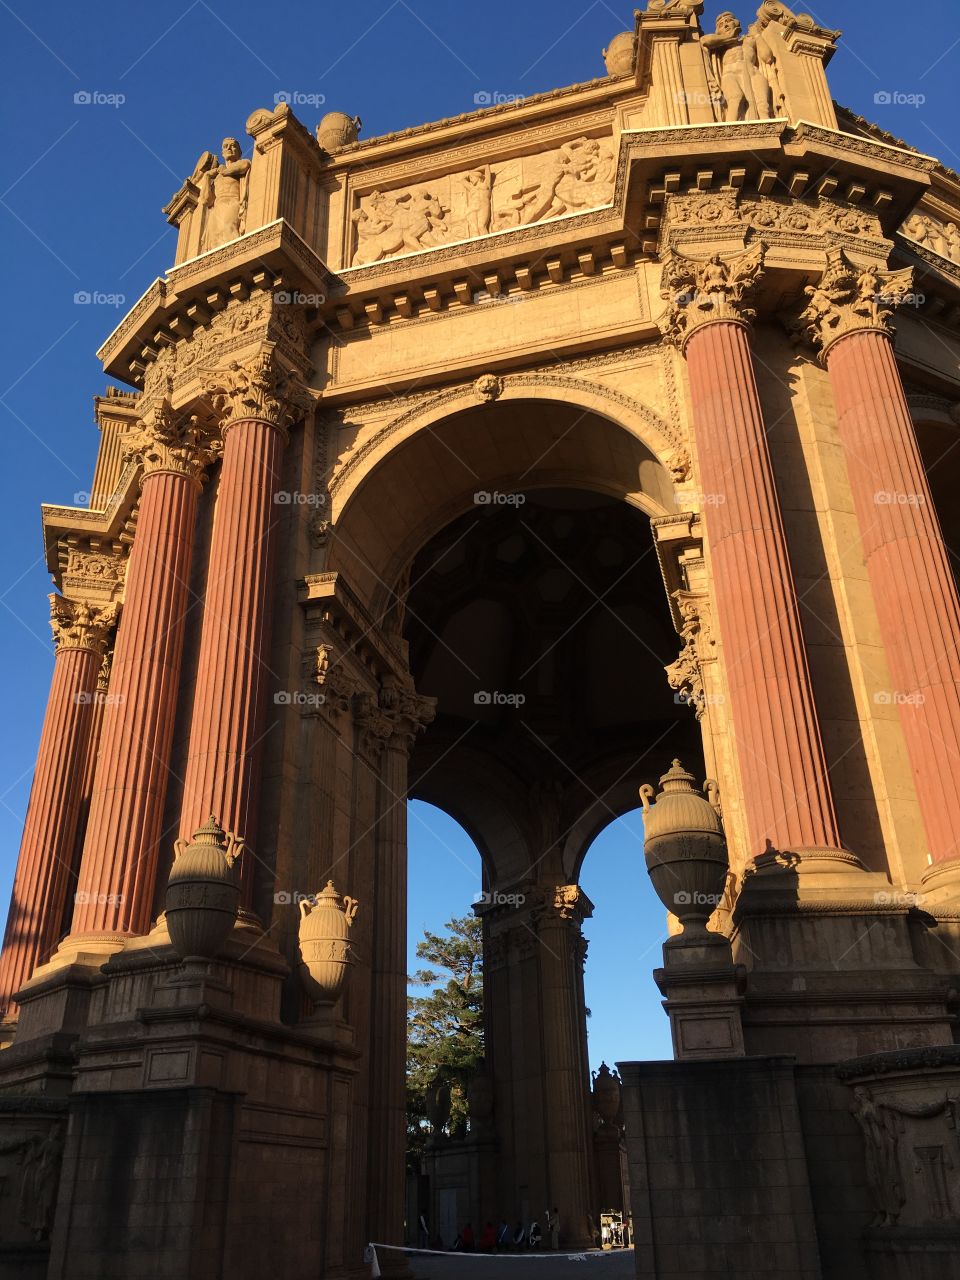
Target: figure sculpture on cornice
743 69
223 194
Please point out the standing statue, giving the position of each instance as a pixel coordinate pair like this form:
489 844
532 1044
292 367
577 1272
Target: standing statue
744 75
881 1133
39 1177
223 193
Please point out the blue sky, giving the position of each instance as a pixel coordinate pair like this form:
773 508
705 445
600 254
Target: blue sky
82 190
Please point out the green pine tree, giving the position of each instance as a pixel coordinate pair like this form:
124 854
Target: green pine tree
445 1025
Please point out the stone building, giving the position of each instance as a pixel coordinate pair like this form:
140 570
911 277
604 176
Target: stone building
499 462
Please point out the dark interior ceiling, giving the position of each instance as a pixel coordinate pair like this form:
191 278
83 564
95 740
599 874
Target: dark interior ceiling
557 601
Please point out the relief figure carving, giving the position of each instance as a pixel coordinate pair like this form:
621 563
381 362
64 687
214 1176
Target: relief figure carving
575 176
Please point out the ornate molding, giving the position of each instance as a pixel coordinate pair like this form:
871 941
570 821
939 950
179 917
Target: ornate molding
430 402
701 293
685 675
78 625
874 1064
260 389
166 441
406 711
850 299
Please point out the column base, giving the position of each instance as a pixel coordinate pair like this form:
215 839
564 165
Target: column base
941 884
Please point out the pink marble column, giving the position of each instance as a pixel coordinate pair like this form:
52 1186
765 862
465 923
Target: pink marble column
117 876
786 792
913 587
233 677
37 906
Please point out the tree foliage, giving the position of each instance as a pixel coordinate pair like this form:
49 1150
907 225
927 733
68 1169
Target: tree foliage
444 1025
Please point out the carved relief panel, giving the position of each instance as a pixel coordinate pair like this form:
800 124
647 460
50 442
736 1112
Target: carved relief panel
574 177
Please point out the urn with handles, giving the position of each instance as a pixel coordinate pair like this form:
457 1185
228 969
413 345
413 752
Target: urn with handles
325 923
203 892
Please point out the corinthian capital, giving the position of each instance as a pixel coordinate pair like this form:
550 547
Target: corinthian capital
406 712
167 441
77 625
850 298
261 390
701 293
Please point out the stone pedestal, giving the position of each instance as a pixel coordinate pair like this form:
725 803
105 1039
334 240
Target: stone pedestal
703 996
206 1137
718 1172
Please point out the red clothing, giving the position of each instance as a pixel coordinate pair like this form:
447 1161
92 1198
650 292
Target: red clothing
488 1240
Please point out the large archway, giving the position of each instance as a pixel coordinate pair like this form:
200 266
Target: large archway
511 554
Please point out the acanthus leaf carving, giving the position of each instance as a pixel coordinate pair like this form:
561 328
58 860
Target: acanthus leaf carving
849 299
685 675
700 293
261 389
164 440
79 625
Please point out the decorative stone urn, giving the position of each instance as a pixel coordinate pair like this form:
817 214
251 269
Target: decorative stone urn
203 892
337 130
620 55
606 1095
685 848
480 1104
325 923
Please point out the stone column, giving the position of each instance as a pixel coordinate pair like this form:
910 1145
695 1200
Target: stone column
787 798
536 1048
118 866
257 403
395 723
914 590
40 888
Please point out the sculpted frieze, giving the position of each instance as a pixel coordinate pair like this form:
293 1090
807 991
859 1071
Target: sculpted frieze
939 237
577 175
711 211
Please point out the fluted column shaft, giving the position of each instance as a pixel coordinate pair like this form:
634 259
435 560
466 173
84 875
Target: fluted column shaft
118 867
388 1004
913 587
49 834
233 679
786 792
